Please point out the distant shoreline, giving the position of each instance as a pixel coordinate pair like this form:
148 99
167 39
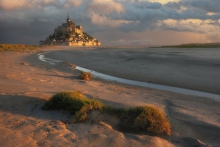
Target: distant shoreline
25 47
193 45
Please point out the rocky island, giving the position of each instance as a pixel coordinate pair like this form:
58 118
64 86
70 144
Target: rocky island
70 35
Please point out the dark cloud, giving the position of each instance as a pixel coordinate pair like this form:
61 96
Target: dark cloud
207 5
174 5
147 5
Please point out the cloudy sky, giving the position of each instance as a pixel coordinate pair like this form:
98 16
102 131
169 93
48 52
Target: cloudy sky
113 22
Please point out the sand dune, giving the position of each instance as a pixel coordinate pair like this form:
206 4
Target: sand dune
26 83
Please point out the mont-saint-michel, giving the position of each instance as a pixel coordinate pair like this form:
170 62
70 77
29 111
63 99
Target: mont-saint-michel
70 35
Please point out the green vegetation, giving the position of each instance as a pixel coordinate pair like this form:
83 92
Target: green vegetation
17 47
87 35
59 36
74 103
146 118
142 118
196 45
86 76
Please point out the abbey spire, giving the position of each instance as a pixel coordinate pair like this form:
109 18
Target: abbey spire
68 18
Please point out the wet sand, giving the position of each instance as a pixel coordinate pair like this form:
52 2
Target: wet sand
26 83
196 69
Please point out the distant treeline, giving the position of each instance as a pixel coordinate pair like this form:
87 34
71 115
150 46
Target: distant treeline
18 47
195 45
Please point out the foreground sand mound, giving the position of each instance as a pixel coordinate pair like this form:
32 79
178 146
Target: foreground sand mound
24 123
148 119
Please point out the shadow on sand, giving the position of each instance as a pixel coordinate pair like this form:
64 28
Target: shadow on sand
30 107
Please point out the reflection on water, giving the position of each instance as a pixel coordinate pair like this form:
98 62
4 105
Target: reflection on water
136 83
41 56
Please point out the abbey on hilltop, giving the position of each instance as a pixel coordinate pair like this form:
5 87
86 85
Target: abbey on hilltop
70 35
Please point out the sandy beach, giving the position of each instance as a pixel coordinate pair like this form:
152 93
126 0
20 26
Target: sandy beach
27 82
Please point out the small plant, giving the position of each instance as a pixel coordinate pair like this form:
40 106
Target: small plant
145 118
25 63
86 76
152 120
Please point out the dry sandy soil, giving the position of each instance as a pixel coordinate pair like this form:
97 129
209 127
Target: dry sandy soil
26 83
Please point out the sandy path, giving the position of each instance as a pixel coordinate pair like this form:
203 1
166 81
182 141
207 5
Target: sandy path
26 82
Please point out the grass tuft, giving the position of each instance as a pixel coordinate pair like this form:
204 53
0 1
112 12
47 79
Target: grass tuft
73 102
152 120
86 76
144 118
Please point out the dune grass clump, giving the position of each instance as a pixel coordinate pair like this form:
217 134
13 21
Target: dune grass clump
86 76
73 102
17 47
145 118
152 120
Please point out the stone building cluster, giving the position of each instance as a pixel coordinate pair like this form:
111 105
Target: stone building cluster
70 35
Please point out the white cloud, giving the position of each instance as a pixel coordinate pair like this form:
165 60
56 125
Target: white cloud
9 5
163 1
105 7
104 21
47 2
190 25
74 3
29 4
